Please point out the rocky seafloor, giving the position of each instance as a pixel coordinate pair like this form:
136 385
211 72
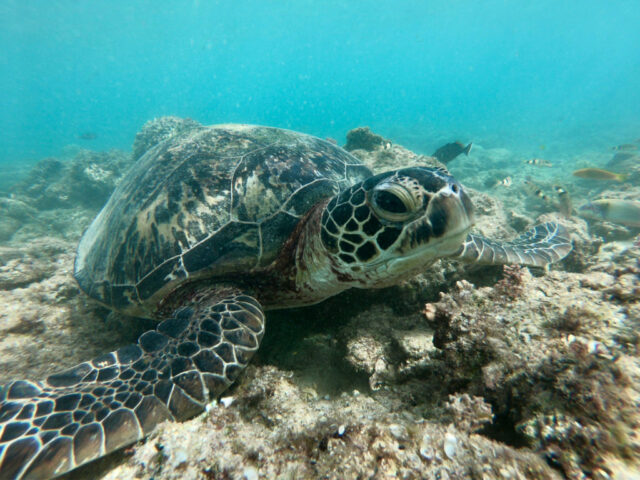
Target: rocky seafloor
461 373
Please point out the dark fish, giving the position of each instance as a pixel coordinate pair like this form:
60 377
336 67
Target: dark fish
448 152
88 136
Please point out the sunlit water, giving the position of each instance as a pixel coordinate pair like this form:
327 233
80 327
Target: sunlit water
554 80
558 76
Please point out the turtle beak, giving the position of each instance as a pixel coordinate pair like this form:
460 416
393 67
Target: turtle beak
450 211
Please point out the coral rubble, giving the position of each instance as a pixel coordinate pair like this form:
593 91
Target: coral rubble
461 372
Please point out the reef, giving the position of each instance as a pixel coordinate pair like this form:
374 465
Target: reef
362 138
462 372
380 154
157 130
60 197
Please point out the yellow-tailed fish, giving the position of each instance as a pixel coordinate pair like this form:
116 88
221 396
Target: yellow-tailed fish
614 210
599 174
564 200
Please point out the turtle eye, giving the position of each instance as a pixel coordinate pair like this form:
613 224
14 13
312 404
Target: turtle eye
393 202
389 202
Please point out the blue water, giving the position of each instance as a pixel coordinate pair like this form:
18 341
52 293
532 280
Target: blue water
517 74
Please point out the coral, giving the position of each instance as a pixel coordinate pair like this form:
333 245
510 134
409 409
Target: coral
46 324
626 162
362 138
59 198
88 179
277 430
512 284
392 156
157 130
486 348
470 414
505 374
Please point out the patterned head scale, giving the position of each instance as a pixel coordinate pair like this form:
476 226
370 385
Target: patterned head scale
396 222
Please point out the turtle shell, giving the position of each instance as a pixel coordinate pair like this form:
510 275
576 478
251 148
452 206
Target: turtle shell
207 202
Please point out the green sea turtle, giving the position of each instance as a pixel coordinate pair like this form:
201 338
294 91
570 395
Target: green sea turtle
211 227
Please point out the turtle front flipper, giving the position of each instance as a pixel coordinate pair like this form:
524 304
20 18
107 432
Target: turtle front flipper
48 428
543 244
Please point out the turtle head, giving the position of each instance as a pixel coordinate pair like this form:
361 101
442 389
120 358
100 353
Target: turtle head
392 225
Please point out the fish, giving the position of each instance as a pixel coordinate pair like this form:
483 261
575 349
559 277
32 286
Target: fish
88 136
626 147
505 182
534 189
564 200
448 152
621 156
540 162
614 210
331 140
599 174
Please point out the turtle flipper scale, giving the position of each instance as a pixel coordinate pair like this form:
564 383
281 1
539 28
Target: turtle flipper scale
48 428
541 245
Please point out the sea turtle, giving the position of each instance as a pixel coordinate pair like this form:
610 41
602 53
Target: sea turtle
211 227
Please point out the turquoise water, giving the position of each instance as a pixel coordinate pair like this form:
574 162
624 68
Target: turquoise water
514 74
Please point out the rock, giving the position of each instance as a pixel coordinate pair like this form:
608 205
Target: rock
364 352
8 226
362 138
469 413
527 362
86 180
158 130
450 445
417 343
628 163
250 473
393 157
16 208
274 430
490 216
398 432
553 355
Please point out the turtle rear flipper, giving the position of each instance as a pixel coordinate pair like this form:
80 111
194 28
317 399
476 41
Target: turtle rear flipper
543 244
73 417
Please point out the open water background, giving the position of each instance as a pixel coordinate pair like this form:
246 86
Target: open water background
559 76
